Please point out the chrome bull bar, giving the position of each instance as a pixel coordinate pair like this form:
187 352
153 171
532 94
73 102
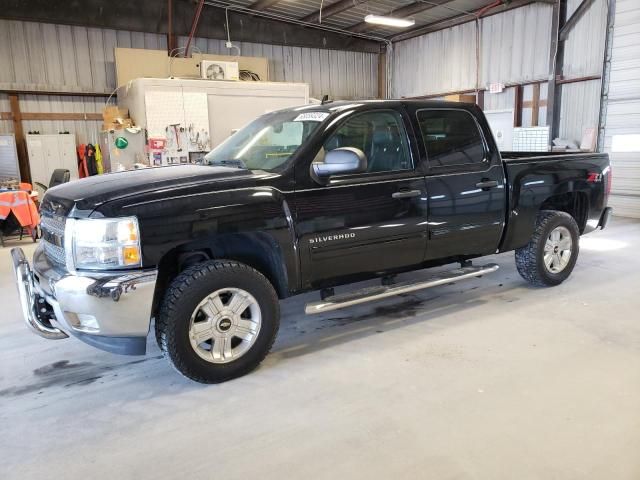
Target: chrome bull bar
28 302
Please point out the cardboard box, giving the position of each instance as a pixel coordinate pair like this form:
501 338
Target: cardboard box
461 98
111 112
127 123
115 118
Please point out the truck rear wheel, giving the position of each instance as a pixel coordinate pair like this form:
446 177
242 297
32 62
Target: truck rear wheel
218 320
549 257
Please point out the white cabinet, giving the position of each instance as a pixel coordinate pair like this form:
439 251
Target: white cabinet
48 152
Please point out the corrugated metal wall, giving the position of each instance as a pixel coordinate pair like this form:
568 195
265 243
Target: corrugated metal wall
6 126
38 56
339 74
515 45
500 101
584 47
514 49
583 56
439 62
623 108
85 130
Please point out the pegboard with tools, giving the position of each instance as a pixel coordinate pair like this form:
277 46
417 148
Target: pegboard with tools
186 118
177 125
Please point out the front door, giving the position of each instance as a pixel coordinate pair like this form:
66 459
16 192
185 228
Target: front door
369 222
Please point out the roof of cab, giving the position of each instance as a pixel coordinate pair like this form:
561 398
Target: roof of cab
340 105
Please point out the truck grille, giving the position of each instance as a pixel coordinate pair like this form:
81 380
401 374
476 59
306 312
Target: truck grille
53 238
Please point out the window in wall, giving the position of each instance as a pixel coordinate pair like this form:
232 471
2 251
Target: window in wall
380 135
451 137
533 104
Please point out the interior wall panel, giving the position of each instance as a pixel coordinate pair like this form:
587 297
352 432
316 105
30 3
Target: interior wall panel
500 101
584 47
339 74
46 57
6 126
623 110
514 49
515 45
439 62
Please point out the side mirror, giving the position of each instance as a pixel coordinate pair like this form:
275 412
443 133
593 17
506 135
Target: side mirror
339 161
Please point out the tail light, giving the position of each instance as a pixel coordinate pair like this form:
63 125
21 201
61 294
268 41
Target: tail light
609 179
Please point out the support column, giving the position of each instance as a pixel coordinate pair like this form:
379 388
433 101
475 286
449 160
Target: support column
21 146
382 75
556 61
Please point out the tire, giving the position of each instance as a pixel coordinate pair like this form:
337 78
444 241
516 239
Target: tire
531 261
194 307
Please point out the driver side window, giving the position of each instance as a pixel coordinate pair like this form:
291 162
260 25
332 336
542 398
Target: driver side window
380 135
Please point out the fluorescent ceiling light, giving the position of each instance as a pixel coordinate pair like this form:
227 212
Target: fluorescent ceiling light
390 21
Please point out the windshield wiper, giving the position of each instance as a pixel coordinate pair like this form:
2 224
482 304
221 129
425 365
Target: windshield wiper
236 162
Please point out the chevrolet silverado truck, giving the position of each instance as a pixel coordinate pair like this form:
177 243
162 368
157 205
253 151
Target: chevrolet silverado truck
302 199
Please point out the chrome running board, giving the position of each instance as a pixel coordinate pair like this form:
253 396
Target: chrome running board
371 294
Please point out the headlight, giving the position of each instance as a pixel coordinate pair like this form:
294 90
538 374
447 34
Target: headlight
104 243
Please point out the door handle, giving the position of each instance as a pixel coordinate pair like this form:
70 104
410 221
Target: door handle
487 184
406 194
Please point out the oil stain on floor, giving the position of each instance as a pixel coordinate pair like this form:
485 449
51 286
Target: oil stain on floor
66 374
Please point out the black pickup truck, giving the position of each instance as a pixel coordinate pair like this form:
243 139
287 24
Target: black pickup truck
302 199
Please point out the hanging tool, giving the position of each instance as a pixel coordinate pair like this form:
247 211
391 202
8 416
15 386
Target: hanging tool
203 143
176 134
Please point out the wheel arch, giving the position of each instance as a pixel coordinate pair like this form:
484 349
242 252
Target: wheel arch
521 223
258 250
574 203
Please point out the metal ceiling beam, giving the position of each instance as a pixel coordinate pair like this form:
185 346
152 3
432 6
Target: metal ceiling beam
194 26
402 12
575 17
151 16
459 20
331 10
263 4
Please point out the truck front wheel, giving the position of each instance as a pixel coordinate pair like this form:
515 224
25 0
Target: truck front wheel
549 257
218 320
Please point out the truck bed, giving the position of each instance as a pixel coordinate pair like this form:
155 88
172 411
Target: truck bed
576 183
520 156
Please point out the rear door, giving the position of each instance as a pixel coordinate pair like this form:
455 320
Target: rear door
367 222
465 184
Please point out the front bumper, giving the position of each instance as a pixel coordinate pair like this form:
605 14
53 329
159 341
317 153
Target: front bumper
110 311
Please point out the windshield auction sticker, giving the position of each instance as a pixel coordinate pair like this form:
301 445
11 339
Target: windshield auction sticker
311 117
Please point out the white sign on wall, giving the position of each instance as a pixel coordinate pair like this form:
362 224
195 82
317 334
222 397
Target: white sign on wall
496 87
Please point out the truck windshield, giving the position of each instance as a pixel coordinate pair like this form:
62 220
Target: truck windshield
267 142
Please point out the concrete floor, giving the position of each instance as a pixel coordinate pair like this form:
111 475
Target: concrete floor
488 379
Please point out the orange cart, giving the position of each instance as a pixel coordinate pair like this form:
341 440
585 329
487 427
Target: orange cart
18 213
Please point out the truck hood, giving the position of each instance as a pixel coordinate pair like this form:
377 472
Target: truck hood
83 196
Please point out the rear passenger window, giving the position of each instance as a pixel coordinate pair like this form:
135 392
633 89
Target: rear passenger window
451 137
